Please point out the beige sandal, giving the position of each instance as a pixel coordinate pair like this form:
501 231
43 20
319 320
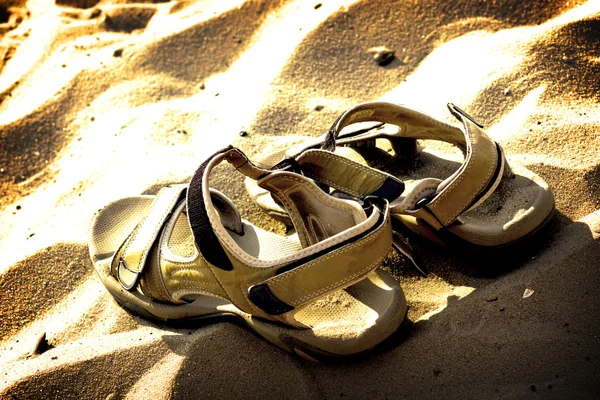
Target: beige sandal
186 254
477 200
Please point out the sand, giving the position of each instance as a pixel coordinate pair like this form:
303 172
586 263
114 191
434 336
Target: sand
101 100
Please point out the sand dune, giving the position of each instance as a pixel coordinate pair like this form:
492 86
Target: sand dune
101 99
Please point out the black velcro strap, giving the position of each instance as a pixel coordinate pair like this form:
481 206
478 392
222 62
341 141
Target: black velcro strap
207 241
390 189
262 297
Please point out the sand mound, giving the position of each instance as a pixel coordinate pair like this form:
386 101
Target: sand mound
105 99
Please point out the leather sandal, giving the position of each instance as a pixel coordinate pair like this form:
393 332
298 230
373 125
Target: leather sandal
186 255
477 200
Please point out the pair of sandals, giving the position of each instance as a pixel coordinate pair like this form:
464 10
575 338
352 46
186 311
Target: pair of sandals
187 255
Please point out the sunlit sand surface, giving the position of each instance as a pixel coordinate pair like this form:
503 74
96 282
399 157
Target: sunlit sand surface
101 100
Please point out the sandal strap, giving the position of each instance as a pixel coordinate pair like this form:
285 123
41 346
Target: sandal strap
205 238
335 267
473 182
130 261
355 137
348 176
272 288
476 178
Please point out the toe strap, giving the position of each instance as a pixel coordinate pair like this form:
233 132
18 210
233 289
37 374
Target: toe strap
335 267
130 260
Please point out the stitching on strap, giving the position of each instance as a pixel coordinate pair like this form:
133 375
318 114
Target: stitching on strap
333 184
461 177
227 242
141 225
370 237
193 290
196 282
343 160
340 283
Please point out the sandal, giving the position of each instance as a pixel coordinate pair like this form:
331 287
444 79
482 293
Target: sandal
186 255
476 200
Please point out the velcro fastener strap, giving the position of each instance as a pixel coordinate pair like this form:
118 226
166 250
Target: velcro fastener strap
499 174
335 268
348 176
482 162
133 257
205 238
199 200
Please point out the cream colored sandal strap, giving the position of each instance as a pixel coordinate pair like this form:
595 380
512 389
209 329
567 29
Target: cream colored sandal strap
133 256
482 169
300 283
348 176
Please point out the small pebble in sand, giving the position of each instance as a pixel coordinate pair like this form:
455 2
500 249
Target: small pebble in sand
384 56
539 122
18 207
202 87
93 119
64 65
118 53
528 292
317 6
491 299
243 133
216 94
319 108
507 92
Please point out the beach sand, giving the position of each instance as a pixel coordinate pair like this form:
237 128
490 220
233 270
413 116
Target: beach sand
101 100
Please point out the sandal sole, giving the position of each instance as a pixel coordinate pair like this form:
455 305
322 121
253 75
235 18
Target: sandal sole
285 341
